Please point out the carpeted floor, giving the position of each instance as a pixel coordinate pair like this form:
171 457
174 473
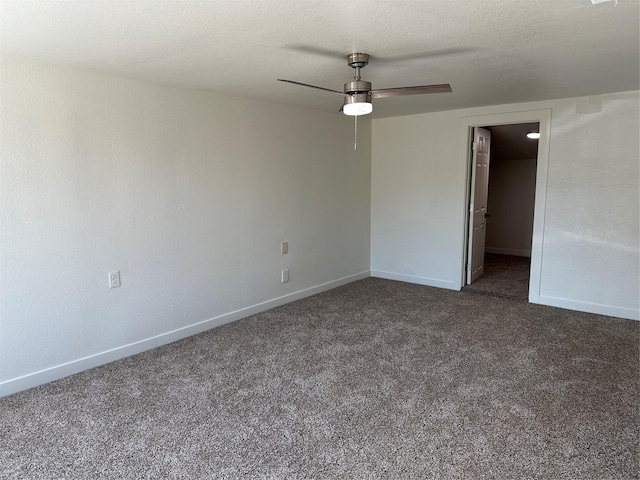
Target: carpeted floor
504 276
376 379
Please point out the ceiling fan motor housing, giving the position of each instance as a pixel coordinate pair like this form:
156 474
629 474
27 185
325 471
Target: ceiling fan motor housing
357 91
357 86
364 97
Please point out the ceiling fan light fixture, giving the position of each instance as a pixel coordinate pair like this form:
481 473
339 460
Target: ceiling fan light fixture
357 104
357 109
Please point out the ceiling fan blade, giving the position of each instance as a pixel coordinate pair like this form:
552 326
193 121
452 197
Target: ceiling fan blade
321 52
325 52
312 86
443 52
417 90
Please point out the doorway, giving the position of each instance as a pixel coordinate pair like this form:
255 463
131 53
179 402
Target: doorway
508 249
501 229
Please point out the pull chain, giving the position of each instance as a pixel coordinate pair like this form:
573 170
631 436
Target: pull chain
355 133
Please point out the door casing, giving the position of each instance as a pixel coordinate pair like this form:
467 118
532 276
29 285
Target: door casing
467 124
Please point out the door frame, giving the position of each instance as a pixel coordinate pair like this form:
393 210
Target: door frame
543 117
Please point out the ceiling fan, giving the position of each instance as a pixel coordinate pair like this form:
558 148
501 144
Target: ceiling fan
357 95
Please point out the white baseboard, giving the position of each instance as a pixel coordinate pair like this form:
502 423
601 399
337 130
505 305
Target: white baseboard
76 366
508 251
609 310
431 282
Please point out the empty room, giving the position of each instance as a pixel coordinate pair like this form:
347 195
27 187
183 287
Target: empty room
320 239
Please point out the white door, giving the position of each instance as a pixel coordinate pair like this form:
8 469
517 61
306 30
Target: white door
478 208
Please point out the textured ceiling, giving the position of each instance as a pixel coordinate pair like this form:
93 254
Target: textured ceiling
490 51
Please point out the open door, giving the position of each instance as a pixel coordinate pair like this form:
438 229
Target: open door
478 208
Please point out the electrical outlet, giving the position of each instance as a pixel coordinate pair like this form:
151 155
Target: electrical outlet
284 276
284 248
114 279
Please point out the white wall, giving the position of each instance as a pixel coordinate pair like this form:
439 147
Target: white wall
590 245
414 212
512 185
187 193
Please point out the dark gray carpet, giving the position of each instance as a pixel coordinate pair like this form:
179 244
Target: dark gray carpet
504 276
377 379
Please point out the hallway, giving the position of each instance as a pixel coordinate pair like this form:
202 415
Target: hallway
504 276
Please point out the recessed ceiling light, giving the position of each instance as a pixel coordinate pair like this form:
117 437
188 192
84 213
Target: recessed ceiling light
534 135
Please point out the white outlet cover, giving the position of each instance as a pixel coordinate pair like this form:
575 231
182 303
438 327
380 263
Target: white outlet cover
114 279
